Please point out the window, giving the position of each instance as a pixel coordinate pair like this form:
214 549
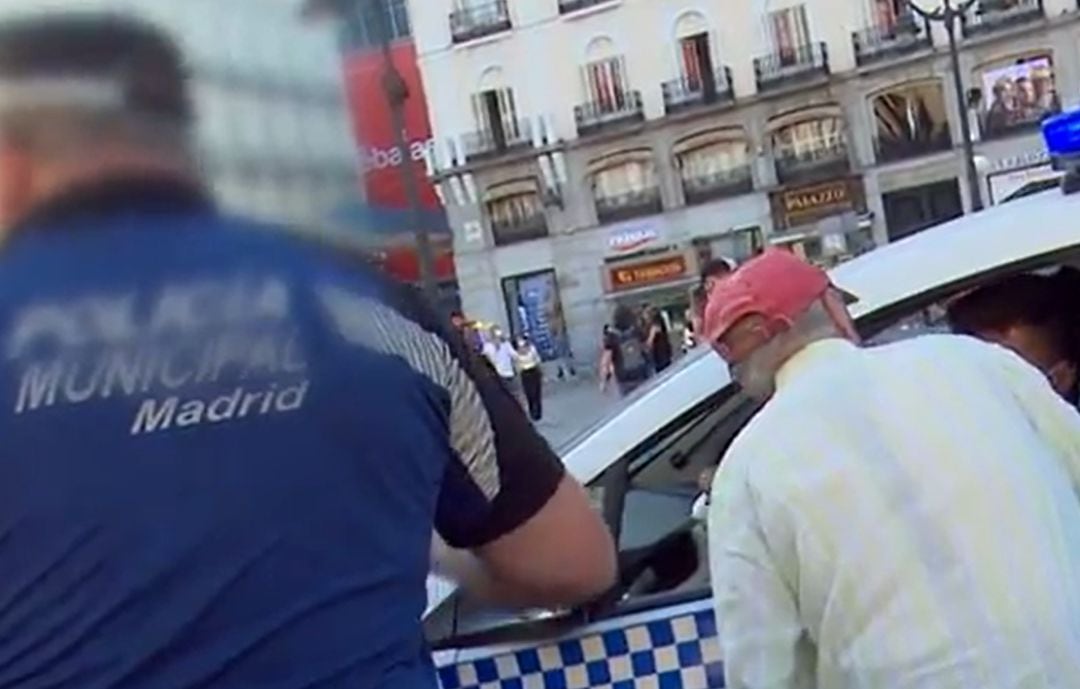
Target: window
496 117
631 177
809 137
1017 95
911 119
697 65
517 213
715 169
606 84
789 30
365 32
719 158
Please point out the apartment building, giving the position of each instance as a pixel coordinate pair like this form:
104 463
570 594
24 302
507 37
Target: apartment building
273 126
596 152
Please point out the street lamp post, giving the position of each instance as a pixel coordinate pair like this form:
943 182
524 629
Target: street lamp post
396 92
949 16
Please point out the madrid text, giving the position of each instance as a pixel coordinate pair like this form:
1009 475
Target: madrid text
187 356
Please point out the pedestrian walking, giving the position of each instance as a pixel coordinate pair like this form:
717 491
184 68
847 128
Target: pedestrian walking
529 366
500 353
605 368
658 341
242 488
625 352
866 528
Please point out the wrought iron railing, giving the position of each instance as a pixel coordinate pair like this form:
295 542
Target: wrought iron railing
630 205
889 149
721 184
827 160
509 136
479 20
989 16
877 43
791 64
690 92
619 108
519 229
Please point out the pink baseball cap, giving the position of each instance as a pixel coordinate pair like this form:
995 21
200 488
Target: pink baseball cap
777 285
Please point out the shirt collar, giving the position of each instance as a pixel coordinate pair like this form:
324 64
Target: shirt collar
813 355
121 194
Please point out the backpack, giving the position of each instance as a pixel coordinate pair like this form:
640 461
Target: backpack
632 359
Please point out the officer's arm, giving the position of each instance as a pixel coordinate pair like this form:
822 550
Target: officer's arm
507 499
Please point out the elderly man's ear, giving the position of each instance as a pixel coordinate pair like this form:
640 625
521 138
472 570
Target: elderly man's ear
838 312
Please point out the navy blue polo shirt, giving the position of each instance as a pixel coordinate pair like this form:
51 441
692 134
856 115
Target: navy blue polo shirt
223 450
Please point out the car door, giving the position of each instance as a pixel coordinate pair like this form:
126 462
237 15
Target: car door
659 634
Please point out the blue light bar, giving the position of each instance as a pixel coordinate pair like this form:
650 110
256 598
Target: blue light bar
1062 135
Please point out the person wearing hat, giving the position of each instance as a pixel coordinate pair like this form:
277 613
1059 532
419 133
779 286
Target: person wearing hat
225 447
866 527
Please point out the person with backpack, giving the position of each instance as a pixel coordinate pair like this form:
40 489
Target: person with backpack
625 351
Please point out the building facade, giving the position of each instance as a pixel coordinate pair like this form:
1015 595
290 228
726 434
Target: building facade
595 152
273 128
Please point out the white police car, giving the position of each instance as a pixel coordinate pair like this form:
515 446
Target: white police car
659 630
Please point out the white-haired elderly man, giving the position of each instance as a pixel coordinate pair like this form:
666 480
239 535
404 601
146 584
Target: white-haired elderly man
902 516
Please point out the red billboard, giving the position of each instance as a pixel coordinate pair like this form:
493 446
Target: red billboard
374 129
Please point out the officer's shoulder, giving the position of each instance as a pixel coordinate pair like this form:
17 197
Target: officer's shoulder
332 261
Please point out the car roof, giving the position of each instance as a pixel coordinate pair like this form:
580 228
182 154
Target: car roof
890 275
938 257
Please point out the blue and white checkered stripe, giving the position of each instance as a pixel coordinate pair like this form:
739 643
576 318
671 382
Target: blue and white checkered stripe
678 652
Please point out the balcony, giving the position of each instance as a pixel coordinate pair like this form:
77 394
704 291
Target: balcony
891 149
879 43
520 229
598 115
688 93
630 205
570 6
489 143
791 66
479 20
830 160
1000 15
718 185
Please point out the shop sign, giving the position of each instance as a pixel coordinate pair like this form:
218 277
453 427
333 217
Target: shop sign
647 273
1031 158
802 205
632 237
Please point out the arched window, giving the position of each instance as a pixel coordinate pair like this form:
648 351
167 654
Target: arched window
910 120
498 126
810 148
624 185
516 212
713 165
606 85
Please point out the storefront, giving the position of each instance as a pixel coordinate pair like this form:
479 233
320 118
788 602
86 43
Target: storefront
662 279
1009 174
914 209
534 308
825 222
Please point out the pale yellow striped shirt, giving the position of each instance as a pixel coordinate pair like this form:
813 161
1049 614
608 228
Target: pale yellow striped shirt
902 517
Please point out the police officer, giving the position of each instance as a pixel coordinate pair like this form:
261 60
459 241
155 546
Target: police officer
225 449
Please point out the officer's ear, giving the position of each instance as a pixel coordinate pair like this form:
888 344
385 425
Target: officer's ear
16 181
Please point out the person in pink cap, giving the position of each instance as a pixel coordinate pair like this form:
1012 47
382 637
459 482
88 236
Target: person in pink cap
904 516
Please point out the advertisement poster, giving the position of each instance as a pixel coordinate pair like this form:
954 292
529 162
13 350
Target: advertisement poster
535 310
1018 95
374 127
